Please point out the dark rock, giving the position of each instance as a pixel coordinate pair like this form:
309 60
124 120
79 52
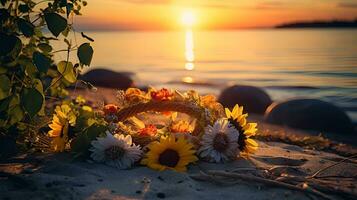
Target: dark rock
310 114
108 78
254 99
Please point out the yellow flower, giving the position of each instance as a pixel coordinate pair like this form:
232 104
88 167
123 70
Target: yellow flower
80 100
61 121
181 126
170 153
246 130
64 112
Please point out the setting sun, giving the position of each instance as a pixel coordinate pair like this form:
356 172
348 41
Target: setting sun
188 18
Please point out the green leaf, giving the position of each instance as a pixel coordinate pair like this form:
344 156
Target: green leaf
31 70
3 2
44 47
25 27
9 44
69 8
5 86
4 104
16 114
55 23
62 3
15 111
31 101
85 54
3 70
41 61
82 142
39 87
4 15
66 31
67 70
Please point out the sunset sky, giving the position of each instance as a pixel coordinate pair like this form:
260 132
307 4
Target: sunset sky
209 14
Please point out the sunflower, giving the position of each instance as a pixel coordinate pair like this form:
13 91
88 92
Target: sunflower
246 130
219 142
62 119
169 153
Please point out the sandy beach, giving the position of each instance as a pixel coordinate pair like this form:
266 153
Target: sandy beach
284 153
48 176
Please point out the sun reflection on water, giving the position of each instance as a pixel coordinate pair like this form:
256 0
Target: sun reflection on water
189 50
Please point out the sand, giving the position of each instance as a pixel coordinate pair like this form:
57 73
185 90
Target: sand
48 176
58 176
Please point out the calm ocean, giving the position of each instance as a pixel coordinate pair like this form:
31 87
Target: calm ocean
314 63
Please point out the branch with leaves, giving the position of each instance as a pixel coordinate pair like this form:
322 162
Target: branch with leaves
28 72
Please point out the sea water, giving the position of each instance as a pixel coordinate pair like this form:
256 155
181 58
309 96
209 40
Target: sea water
287 63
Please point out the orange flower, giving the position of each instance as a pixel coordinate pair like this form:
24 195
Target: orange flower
208 100
180 127
161 95
110 109
149 130
133 94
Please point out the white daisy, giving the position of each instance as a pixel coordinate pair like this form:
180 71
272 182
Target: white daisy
219 142
116 151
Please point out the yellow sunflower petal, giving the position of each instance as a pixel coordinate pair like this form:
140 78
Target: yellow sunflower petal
58 144
181 146
235 111
228 113
249 133
250 126
240 110
251 142
251 149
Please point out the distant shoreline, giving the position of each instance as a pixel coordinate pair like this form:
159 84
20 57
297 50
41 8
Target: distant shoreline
319 24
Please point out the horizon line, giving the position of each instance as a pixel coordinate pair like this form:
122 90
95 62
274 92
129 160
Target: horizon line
276 26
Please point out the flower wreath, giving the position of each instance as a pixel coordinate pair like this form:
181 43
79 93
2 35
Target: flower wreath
195 127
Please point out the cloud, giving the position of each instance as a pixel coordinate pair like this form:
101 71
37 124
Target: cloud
233 4
149 1
269 5
347 5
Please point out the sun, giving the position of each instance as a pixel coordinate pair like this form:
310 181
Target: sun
188 18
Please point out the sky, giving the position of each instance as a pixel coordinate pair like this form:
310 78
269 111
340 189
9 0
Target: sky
209 14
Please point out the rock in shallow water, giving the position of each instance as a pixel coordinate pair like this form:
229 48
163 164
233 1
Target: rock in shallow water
254 99
310 114
108 78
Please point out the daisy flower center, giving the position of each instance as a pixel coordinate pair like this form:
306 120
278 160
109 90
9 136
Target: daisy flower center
114 152
220 142
169 158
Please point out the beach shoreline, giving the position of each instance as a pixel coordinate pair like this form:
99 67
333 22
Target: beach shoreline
282 151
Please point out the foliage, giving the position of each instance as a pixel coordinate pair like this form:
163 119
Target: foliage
75 124
28 72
